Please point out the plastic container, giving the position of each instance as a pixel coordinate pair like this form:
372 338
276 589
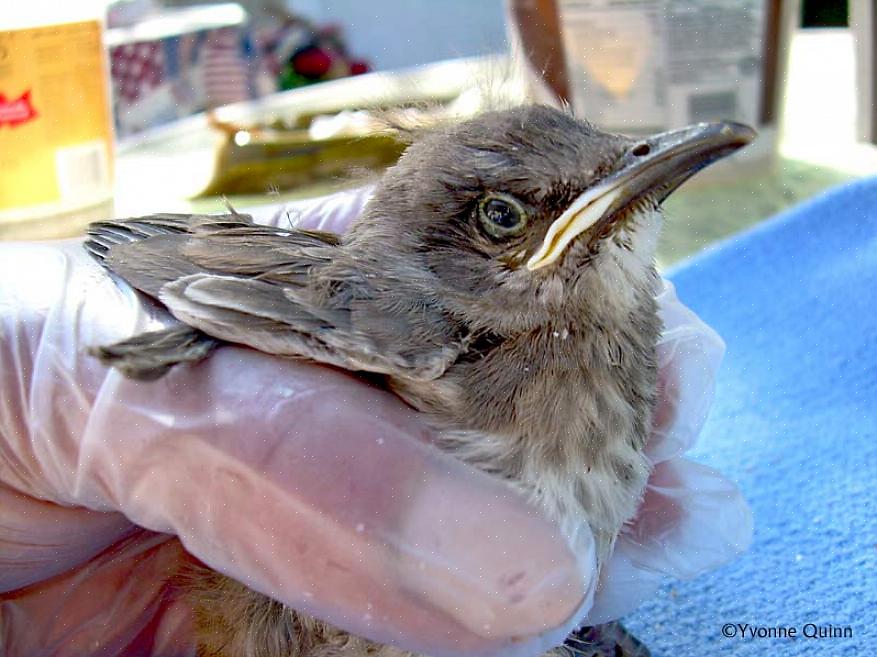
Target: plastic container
56 139
652 65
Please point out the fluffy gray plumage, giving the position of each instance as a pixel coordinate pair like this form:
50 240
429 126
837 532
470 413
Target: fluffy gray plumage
545 378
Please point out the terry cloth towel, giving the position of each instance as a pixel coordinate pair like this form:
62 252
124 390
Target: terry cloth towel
795 425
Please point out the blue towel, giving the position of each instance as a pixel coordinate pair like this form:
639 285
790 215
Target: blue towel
795 425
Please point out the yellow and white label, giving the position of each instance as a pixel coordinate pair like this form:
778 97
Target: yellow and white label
55 124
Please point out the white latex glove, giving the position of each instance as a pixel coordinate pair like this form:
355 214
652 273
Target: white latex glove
300 481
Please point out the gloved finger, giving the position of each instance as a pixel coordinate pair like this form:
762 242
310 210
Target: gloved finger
39 539
692 505
689 356
622 588
298 480
120 603
692 520
317 492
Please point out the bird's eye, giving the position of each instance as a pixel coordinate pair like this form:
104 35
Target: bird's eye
501 215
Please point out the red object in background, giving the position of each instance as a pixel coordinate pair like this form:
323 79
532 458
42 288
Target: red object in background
226 70
358 67
312 62
137 68
18 111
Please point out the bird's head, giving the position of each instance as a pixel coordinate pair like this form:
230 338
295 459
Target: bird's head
517 215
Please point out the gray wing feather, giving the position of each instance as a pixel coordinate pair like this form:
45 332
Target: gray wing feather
150 264
261 315
146 251
277 290
104 235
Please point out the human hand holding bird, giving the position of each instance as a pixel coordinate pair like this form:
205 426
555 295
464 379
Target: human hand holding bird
501 279
485 325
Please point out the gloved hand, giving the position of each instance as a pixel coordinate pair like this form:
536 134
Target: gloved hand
301 481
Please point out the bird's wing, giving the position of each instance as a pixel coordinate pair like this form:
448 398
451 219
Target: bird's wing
281 291
148 252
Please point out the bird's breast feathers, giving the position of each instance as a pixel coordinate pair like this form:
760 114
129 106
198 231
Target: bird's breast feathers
558 413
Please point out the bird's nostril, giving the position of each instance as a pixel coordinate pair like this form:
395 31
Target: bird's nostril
641 149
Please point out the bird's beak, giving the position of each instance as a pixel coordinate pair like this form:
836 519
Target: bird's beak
651 168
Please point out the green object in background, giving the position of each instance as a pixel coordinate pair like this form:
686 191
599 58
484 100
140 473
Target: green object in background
289 79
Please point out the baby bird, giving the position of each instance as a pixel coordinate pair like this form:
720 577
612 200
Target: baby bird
501 279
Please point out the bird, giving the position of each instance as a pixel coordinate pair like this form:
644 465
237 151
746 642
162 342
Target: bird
501 280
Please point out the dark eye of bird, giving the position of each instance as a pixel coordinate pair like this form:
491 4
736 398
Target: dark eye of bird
501 215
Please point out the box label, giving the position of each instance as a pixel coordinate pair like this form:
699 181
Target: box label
650 65
55 129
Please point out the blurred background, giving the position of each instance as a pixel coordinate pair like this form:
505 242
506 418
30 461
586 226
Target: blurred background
137 106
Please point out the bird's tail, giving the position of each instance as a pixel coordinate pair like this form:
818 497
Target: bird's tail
149 356
607 640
